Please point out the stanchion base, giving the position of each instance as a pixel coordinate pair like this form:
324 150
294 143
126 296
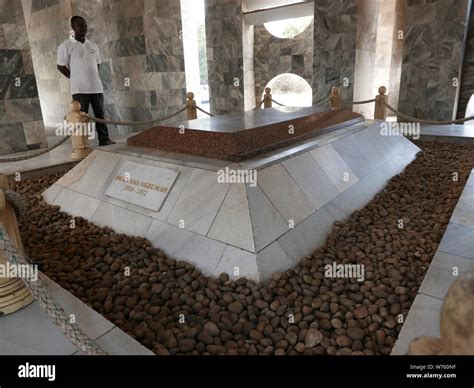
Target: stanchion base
14 297
80 154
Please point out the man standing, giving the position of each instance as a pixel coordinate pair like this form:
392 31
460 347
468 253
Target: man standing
79 60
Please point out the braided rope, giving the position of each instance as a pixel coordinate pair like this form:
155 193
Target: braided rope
55 312
203 111
117 122
363 102
458 121
259 105
45 151
16 200
276 102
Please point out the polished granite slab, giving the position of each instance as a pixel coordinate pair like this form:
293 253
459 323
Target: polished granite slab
240 136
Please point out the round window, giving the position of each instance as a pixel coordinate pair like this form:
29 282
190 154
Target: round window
289 28
291 90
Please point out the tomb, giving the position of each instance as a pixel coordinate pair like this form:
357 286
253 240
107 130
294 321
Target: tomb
335 164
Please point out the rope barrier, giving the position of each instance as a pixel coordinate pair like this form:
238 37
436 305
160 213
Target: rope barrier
203 111
458 121
104 121
55 312
16 200
45 151
259 105
116 122
363 102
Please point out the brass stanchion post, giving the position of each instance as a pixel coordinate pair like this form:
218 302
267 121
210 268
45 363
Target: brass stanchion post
267 98
335 98
13 293
380 112
80 136
191 111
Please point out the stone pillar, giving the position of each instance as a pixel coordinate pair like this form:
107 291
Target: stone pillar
365 62
335 27
467 83
225 55
21 121
432 58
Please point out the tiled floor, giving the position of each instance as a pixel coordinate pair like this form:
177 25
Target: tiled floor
448 133
29 331
455 255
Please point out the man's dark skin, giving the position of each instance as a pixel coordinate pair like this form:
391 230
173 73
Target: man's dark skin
80 32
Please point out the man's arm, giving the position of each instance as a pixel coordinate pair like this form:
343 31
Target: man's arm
64 70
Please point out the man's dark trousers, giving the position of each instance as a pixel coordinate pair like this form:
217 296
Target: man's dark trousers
97 102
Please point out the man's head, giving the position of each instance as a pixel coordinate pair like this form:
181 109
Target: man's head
79 25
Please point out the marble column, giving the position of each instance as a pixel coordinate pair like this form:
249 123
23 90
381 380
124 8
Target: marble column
467 83
335 28
21 125
366 48
432 58
225 55
379 52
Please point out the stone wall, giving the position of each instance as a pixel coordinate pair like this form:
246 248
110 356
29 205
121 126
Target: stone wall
275 56
335 30
142 53
366 49
225 55
399 20
467 83
21 125
432 57
379 51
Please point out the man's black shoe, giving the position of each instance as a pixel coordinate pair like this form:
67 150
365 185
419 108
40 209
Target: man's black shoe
106 143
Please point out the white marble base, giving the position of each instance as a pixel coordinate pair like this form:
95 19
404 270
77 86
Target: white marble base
236 228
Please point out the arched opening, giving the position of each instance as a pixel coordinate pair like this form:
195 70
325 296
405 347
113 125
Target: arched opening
289 28
291 90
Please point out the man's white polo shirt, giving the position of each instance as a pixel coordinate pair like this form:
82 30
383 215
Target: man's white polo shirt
82 60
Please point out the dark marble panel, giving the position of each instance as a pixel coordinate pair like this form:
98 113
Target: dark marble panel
38 5
467 83
36 110
4 85
156 63
7 11
130 27
18 87
127 47
12 138
11 62
105 72
432 57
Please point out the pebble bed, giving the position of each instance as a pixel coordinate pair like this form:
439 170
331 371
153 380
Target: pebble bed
172 308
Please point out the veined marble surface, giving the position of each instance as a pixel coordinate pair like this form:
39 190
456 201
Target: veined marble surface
259 227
